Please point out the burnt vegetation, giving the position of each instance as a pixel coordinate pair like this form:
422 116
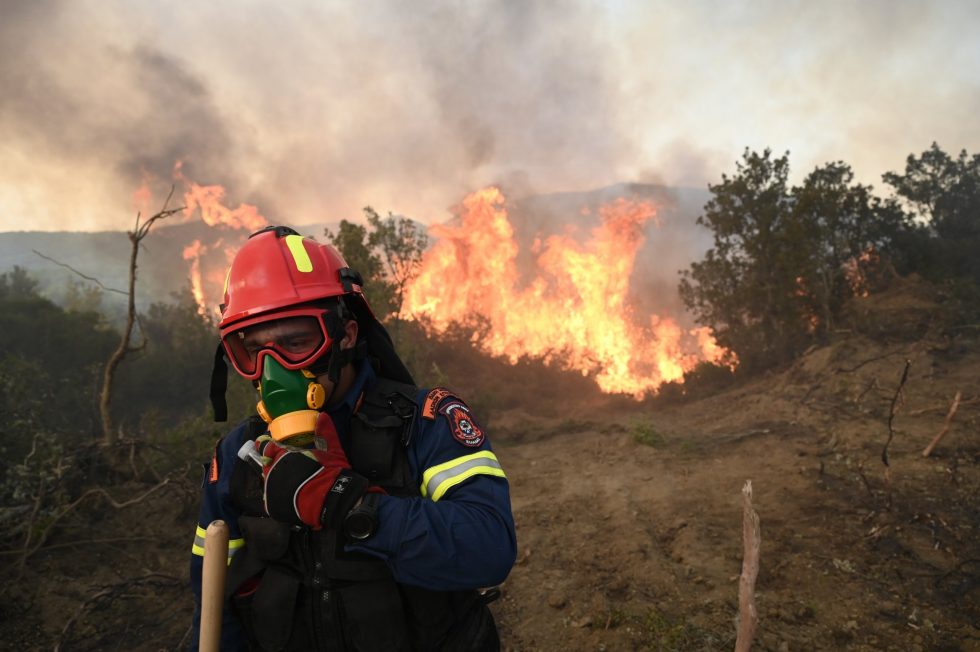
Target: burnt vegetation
788 271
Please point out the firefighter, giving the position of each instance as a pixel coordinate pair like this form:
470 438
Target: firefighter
364 513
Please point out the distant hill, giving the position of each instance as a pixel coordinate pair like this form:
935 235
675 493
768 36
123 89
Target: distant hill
105 255
163 270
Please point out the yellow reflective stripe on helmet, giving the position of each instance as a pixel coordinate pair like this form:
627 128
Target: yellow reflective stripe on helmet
439 479
300 257
227 279
234 545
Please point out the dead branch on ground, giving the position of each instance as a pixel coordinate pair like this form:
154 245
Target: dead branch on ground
136 236
943 406
942 433
897 402
31 547
83 542
111 593
751 538
864 362
872 385
864 479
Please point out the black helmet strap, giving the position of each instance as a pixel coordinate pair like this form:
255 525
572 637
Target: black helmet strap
219 384
334 362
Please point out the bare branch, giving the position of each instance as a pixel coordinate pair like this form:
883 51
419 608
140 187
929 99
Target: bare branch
896 404
29 550
136 236
864 362
84 276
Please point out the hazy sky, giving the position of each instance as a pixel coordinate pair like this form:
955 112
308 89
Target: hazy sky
313 109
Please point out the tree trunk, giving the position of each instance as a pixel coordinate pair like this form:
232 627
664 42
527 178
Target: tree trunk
109 435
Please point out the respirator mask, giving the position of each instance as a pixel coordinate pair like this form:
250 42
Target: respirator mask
289 403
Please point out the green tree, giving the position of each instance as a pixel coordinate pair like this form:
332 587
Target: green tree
943 194
353 242
741 287
18 284
49 361
387 252
79 297
785 261
171 375
401 243
842 231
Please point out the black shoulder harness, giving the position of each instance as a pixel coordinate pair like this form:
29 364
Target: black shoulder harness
380 431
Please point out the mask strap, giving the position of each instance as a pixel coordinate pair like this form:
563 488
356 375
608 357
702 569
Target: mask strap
219 384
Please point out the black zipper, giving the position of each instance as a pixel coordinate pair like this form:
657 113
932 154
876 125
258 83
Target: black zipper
328 617
316 589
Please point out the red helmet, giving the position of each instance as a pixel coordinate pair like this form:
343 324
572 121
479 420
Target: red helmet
277 276
277 268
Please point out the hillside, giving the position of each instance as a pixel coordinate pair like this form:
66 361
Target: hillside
105 256
629 514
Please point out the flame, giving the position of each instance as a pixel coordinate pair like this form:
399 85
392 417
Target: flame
208 199
193 253
207 267
574 312
856 271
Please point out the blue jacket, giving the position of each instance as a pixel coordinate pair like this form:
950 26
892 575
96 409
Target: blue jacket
458 535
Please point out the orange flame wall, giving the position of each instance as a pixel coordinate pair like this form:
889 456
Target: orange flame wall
574 311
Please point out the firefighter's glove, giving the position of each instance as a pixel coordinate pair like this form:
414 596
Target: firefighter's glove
311 487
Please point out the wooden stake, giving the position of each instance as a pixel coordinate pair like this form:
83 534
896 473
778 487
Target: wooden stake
213 585
751 538
942 433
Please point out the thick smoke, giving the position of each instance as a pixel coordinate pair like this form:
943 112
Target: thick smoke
310 110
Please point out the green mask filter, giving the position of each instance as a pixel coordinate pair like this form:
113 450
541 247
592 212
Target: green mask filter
290 400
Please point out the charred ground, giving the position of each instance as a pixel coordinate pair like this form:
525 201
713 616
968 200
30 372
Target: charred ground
629 514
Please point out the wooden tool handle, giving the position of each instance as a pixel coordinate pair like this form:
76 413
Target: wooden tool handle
213 585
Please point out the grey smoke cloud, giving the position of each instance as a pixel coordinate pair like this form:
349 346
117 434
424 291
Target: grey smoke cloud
311 110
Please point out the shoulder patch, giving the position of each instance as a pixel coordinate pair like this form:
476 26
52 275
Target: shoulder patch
432 401
461 423
213 467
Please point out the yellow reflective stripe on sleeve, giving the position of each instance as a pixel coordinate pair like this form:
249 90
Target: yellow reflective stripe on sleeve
300 257
198 547
439 479
234 545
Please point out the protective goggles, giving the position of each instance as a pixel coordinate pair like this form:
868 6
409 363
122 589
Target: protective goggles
295 340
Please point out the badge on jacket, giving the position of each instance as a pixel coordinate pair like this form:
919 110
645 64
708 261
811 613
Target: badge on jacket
445 402
461 423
